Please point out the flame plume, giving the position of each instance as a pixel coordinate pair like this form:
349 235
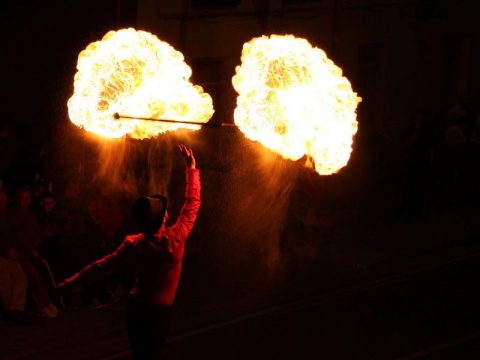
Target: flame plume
134 73
295 101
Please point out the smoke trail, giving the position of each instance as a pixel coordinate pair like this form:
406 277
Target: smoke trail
136 167
246 193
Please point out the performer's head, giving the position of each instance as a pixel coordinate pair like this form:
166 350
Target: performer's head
149 213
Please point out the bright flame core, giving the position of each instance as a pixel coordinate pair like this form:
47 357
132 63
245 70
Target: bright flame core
295 101
133 73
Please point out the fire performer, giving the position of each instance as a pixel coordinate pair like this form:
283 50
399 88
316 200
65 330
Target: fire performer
156 254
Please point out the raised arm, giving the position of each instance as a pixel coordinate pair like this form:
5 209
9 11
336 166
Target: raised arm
178 233
188 157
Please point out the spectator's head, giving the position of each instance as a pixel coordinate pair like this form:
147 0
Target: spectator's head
49 202
149 213
23 197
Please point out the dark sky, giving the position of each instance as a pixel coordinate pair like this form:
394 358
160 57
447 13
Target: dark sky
40 44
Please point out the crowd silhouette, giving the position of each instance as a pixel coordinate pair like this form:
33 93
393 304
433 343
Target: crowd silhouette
48 234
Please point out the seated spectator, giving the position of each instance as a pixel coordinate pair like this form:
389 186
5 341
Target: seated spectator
110 218
13 281
50 218
70 229
80 240
29 241
93 241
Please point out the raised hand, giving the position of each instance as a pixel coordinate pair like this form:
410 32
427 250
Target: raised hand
187 156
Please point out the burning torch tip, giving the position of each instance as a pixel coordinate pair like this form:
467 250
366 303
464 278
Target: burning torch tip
116 116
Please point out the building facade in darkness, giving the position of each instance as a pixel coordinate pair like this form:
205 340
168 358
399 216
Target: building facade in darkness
401 56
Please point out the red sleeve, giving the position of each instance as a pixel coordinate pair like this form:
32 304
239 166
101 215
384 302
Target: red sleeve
178 233
101 268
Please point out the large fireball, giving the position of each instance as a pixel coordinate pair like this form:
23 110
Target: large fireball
133 73
295 101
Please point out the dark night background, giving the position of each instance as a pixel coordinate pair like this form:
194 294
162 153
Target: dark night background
40 42
290 207
264 220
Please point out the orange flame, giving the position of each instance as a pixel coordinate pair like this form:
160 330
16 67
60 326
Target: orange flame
134 73
295 101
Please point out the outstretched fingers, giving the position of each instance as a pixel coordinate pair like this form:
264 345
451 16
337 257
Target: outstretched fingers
184 151
187 156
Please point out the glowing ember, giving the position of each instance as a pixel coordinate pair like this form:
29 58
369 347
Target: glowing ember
134 73
295 101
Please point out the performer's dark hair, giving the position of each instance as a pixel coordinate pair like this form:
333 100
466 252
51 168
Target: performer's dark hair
148 212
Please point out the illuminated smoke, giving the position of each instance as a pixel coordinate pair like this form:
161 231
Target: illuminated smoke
295 101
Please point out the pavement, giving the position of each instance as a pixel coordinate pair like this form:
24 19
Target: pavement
353 255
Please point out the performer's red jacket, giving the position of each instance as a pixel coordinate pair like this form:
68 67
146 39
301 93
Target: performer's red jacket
156 259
